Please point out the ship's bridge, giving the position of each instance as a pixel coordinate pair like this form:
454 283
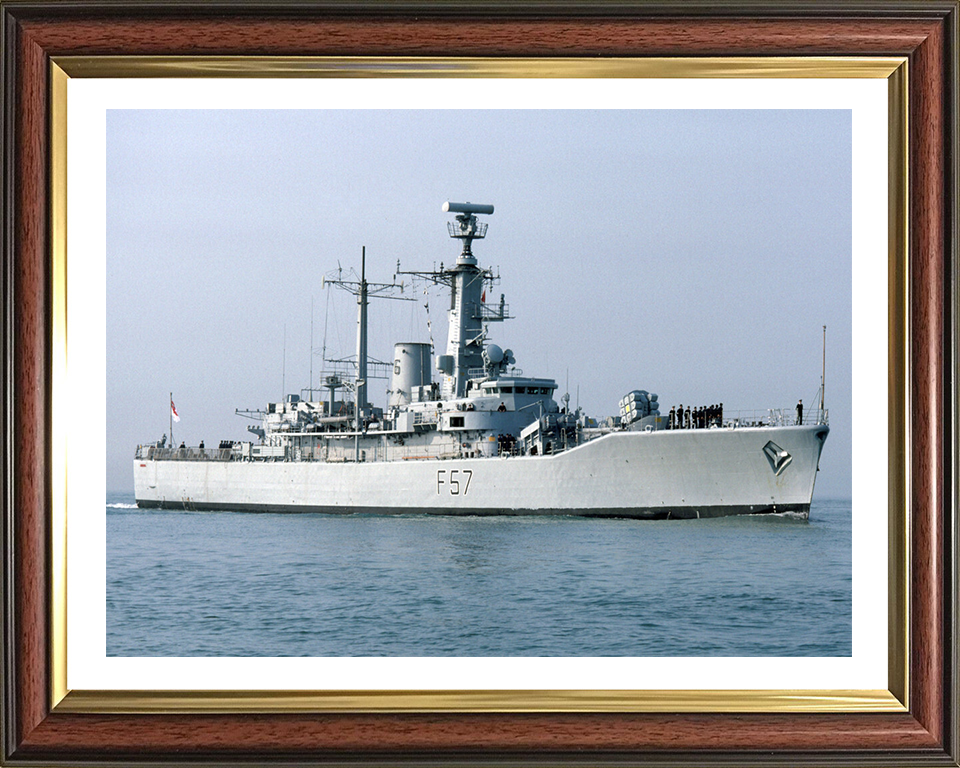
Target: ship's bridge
520 390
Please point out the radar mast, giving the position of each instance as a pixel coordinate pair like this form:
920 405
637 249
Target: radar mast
469 311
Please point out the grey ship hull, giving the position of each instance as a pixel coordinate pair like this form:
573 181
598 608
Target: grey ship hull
660 474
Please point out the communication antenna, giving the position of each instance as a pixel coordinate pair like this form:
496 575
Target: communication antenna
326 320
311 348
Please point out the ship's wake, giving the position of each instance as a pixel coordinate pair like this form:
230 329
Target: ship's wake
791 515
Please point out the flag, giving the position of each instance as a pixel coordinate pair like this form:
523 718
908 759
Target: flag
483 298
173 411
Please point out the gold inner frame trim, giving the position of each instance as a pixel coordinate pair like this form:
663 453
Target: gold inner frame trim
729 701
59 407
898 410
893 69
413 66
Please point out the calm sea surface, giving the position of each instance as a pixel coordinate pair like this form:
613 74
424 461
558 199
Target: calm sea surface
229 584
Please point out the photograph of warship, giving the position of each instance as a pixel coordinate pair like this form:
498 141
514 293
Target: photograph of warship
466 433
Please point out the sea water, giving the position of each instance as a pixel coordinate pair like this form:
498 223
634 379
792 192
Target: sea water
248 584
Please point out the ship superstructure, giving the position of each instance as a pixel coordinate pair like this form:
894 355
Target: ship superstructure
483 438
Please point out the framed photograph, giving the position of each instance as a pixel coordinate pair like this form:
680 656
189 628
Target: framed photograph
175 179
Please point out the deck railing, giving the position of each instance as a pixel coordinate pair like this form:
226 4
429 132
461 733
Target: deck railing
193 453
337 450
776 417
767 417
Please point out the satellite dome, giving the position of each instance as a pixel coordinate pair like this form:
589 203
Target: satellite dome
493 353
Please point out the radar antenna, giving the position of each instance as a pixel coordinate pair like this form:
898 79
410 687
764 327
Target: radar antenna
466 227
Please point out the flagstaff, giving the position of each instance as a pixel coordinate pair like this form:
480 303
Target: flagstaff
174 416
823 370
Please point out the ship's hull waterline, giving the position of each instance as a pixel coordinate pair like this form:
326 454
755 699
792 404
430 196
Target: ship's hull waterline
659 474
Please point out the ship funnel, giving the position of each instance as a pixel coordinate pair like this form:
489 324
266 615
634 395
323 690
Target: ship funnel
449 207
411 373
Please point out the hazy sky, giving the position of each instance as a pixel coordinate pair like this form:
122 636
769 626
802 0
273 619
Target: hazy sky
695 254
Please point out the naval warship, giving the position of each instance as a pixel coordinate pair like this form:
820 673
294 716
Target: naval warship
466 433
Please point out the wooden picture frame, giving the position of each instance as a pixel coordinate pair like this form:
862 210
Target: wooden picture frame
38 730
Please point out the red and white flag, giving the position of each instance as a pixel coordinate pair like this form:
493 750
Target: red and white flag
483 298
173 411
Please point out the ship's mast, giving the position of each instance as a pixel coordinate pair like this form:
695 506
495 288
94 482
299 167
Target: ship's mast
310 396
466 334
468 312
362 340
364 291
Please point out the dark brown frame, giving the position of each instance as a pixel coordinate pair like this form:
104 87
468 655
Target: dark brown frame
925 32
